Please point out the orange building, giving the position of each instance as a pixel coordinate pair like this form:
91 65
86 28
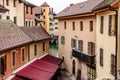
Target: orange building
13 48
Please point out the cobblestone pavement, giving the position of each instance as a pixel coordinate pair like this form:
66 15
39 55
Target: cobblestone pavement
65 76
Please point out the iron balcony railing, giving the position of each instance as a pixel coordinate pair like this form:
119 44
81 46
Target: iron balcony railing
86 58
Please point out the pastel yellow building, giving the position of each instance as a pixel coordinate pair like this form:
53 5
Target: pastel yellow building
42 12
105 41
40 44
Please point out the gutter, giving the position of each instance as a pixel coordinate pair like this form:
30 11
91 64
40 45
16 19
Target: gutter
116 40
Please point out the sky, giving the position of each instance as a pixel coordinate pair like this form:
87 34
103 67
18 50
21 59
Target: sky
57 5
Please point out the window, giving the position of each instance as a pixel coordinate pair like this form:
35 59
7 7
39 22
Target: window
15 20
81 25
56 23
8 17
91 48
27 9
29 23
56 28
43 23
73 24
51 24
111 25
73 43
91 73
91 25
43 46
43 17
23 54
7 2
62 40
14 3
26 23
31 10
13 58
3 61
101 24
35 50
101 57
0 17
65 25
80 45
51 29
113 64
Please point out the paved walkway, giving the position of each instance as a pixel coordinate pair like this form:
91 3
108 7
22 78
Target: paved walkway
65 76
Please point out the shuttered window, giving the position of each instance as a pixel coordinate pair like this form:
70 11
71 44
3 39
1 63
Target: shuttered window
101 57
80 45
13 58
62 40
3 65
110 25
91 25
65 25
73 43
23 54
112 64
73 25
101 24
91 48
35 50
7 2
81 25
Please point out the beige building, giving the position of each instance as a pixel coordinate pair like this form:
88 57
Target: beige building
40 44
77 39
105 41
15 13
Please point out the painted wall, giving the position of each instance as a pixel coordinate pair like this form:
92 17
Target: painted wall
46 26
30 17
19 62
85 35
40 51
17 11
107 43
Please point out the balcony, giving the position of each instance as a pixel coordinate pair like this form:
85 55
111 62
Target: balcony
86 58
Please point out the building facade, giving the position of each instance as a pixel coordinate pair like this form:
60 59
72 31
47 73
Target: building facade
13 48
105 41
77 39
29 14
15 13
40 44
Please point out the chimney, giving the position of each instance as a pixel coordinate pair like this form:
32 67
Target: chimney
71 4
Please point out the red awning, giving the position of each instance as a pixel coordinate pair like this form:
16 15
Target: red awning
40 69
52 59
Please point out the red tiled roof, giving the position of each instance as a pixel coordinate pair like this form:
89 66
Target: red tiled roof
36 33
45 4
79 8
3 9
11 35
38 10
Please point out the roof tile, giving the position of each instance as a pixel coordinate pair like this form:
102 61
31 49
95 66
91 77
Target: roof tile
11 35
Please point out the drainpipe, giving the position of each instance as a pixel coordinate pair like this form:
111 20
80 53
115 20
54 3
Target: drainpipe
116 38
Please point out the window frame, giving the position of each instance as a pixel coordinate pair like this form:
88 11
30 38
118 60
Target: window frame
13 61
22 55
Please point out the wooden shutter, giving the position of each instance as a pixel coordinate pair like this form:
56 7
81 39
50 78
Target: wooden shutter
112 64
93 48
101 57
110 25
88 47
101 24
